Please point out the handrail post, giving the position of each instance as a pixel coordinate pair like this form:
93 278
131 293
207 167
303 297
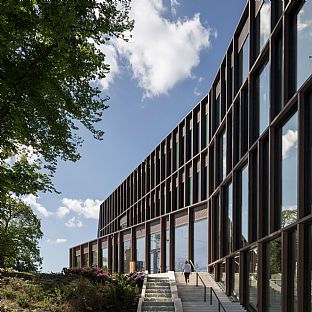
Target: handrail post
205 291
196 279
219 306
210 295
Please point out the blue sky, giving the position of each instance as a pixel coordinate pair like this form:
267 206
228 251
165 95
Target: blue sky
155 80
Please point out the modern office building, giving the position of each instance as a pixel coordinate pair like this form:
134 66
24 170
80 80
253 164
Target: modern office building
231 186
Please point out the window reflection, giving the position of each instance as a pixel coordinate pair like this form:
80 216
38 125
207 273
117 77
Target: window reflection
223 146
127 255
85 260
140 254
222 275
105 259
265 23
235 282
274 275
94 258
289 159
252 276
263 97
293 261
230 218
243 57
244 205
201 245
77 262
180 246
155 252
167 250
304 43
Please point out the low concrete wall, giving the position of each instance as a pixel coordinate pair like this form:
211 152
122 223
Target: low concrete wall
139 309
174 292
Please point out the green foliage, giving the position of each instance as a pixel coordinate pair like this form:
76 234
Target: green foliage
19 235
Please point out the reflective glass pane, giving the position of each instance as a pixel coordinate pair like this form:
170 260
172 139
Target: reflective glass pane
127 255
265 22
105 259
224 155
230 218
263 88
289 165
77 262
180 247
201 245
222 274
85 260
244 61
244 205
155 252
274 275
253 265
94 258
304 43
167 250
235 287
293 261
140 254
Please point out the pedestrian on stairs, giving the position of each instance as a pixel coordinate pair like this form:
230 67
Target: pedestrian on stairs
187 271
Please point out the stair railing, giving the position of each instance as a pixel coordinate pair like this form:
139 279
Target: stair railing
198 276
220 305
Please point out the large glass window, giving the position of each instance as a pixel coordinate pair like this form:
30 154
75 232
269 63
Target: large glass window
252 276
105 259
155 252
235 280
274 275
264 23
263 97
222 274
77 262
127 255
167 250
94 258
289 170
201 245
223 153
85 261
180 246
293 261
243 57
140 254
244 205
304 43
229 218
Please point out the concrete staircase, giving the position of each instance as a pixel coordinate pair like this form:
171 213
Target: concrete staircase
157 296
192 297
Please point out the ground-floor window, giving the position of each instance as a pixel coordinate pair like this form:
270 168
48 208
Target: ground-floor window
252 276
127 255
155 252
222 274
105 259
201 245
140 254
180 246
235 281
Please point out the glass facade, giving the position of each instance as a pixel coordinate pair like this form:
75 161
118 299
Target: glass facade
274 275
244 206
77 261
105 259
167 250
94 258
229 201
304 43
224 155
85 260
140 254
155 252
289 170
235 278
265 23
293 259
252 277
180 246
201 245
127 255
243 57
222 274
263 94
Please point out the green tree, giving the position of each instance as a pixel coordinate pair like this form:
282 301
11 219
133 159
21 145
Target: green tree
50 59
19 235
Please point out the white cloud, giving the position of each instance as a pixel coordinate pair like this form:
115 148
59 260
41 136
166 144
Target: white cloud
31 200
62 212
162 53
88 208
56 241
289 142
74 222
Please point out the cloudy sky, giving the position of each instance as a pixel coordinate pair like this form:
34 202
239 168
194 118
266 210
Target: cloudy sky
156 79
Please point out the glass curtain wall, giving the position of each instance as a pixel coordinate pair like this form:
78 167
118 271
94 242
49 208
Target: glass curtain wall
78 264
304 43
244 206
140 254
201 245
243 57
252 277
155 252
167 250
127 255
105 259
264 23
289 170
223 155
235 280
229 201
180 246
94 258
274 275
293 261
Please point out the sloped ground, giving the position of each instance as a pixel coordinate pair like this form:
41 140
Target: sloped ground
58 292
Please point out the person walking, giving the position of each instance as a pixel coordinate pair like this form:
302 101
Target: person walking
187 271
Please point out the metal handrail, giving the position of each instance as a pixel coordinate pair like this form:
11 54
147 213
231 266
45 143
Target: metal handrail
198 276
220 305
